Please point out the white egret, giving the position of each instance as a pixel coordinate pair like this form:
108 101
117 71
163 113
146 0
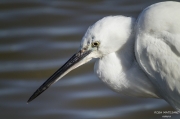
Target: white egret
136 57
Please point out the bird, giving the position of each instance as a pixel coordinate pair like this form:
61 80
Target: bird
138 57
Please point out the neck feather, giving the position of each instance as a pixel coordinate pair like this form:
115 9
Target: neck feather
120 71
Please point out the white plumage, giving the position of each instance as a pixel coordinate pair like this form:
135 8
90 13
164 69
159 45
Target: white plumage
148 68
135 57
158 48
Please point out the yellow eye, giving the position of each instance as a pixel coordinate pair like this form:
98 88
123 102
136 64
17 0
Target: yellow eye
95 44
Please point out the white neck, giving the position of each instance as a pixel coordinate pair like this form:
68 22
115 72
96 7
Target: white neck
120 71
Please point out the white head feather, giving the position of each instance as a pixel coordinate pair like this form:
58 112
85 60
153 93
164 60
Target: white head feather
111 32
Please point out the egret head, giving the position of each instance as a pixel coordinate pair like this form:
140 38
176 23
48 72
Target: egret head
105 36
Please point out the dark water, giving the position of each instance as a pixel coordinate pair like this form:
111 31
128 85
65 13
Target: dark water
36 38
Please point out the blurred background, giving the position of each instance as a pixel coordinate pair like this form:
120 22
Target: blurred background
36 38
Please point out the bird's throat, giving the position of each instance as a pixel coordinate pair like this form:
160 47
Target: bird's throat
120 71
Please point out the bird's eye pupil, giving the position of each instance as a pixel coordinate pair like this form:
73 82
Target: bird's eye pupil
95 44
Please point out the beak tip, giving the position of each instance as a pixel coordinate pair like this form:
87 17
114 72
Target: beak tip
40 90
30 99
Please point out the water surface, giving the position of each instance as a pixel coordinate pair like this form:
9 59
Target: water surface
36 38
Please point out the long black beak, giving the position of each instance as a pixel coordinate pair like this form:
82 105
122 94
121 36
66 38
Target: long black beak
75 61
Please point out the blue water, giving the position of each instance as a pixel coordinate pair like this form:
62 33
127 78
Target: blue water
36 38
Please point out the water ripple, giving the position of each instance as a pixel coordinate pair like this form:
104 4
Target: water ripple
40 31
13 66
47 44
